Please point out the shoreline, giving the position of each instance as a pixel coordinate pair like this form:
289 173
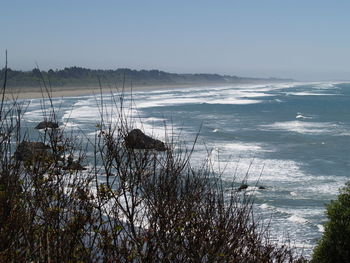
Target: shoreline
56 92
14 93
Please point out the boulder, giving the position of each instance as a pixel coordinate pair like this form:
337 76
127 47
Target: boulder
242 187
136 139
47 125
262 187
73 165
31 151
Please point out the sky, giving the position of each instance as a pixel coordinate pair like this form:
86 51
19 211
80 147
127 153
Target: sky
300 39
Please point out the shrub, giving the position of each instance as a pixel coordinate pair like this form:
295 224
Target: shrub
334 246
129 206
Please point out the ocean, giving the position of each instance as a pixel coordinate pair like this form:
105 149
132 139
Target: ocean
290 138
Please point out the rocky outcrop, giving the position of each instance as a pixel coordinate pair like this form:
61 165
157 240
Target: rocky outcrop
245 187
242 187
73 165
47 125
32 151
136 139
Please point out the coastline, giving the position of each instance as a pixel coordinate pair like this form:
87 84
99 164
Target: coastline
56 92
14 93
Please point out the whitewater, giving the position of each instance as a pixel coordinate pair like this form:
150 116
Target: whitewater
290 138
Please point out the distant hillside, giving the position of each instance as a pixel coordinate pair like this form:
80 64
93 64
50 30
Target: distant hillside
77 76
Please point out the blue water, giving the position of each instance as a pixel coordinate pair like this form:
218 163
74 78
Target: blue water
291 138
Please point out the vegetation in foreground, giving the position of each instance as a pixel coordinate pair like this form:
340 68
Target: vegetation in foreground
128 205
334 245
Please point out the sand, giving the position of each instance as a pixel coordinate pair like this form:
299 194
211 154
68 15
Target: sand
32 93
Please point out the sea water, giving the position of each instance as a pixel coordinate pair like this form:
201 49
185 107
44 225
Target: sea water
290 138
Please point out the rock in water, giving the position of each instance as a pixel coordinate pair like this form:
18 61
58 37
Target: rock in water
47 125
243 187
136 139
73 165
31 151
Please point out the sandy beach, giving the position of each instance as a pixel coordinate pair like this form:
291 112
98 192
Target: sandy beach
13 93
32 93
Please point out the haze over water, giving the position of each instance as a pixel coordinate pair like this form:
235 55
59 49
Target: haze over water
291 138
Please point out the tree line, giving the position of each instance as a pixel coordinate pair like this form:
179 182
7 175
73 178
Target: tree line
78 76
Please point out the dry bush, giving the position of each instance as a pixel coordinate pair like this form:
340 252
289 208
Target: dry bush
129 206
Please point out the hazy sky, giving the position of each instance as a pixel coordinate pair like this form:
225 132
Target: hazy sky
303 39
